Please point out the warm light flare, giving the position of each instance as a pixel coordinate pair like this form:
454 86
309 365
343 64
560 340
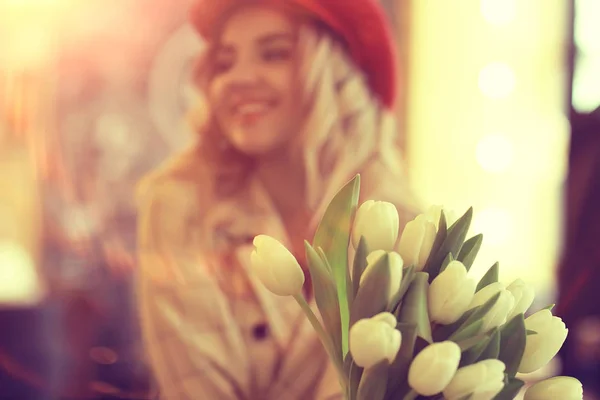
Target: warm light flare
19 281
486 124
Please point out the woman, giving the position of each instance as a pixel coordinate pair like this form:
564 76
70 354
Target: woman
299 97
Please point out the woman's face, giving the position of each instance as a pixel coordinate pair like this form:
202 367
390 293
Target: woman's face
253 86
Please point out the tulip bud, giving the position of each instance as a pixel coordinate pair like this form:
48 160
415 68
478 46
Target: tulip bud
559 387
523 294
541 347
416 241
374 339
498 314
433 368
450 294
276 267
396 264
482 380
378 223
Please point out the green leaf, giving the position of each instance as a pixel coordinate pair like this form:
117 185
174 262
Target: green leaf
325 297
443 332
449 258
348 281
414 308
471 355
408 274
491 276
492 350
530 332
452 244
439 239
478 313
398 372
323 257
510 390
549 308
469 251
512 344
373 295
359 264
373 382
333 236
467 332
483 309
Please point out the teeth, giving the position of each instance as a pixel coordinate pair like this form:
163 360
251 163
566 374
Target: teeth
252 108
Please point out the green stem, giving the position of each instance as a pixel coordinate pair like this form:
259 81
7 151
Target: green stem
349 391
323 336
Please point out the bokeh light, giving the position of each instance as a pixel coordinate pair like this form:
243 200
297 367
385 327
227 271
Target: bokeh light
19 281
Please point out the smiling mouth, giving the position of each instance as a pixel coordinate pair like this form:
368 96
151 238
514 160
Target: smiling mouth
251 111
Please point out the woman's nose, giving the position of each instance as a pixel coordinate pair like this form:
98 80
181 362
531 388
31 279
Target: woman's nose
244 73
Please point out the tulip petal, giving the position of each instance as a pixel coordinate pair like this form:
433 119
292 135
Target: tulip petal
410 242
433 368
373 340
395 341
542 347
290 279
429 235
262 270
559 387
387 318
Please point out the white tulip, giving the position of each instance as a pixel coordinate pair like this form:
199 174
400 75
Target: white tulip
523 294
373 340
559 387
450 294
396 264
433 214
276 267
378 223
543 346
482 380
486 293
498 314
434 367
416 241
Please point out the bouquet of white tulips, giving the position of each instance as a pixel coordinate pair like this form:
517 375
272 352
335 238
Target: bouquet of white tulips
403 320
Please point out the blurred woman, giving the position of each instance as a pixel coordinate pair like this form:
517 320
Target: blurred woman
299 98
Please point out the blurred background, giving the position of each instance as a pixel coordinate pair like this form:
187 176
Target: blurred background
499 110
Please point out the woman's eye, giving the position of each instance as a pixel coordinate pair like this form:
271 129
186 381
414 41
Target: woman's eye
277 55
221 66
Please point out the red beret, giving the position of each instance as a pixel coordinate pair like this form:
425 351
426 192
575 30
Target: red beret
362 24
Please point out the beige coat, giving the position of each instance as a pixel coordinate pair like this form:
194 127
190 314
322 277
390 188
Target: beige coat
193 342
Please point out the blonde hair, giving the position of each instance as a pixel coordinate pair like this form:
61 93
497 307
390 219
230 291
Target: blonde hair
346 127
